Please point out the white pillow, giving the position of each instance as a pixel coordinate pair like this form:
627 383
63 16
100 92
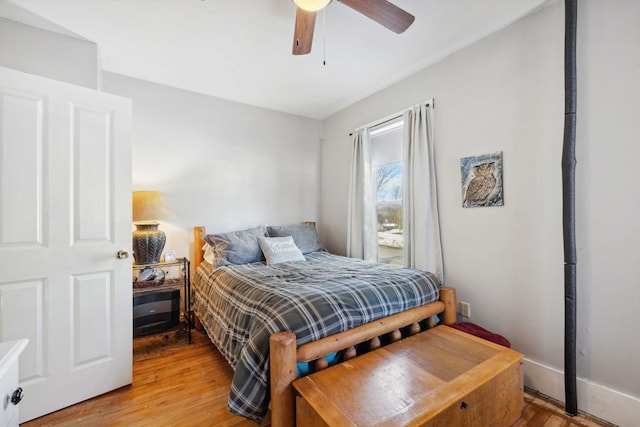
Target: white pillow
209 254
280 249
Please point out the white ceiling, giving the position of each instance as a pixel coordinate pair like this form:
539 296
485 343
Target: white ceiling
241 49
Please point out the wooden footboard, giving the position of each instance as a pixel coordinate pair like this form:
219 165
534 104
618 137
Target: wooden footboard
284 355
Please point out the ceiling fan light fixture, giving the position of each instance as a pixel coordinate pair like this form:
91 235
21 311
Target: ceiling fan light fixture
312 5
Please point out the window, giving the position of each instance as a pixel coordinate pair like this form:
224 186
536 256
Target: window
400 152
386 161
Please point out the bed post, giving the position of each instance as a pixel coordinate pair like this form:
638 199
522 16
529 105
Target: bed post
282 356
198 253
448 297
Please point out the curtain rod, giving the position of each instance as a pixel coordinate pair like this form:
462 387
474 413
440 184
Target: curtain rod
393 116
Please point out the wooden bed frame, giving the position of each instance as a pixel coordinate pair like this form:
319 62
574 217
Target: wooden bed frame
284 353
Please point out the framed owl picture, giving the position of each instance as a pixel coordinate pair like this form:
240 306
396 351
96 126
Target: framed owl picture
482 180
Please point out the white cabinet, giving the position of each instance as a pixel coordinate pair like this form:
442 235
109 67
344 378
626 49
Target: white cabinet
9 388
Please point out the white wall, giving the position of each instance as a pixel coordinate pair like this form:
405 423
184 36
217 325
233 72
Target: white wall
49 54
505 93
220 164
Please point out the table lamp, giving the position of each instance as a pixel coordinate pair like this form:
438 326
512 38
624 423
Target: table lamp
148 241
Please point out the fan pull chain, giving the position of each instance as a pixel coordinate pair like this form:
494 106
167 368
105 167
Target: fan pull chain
324 36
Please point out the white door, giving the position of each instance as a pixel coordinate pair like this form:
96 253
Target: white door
65 211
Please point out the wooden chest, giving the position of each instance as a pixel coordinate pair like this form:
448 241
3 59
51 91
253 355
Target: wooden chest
441 377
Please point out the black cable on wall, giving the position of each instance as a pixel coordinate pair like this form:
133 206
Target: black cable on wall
568 206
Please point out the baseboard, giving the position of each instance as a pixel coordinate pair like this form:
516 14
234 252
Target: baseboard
594 399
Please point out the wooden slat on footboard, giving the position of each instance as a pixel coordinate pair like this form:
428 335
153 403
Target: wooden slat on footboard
322 347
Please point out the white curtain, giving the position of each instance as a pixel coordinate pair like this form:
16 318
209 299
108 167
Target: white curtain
362 240
421 228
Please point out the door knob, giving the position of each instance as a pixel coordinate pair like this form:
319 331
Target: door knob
122 254
17 396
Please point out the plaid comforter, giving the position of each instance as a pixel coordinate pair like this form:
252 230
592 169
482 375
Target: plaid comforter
242 305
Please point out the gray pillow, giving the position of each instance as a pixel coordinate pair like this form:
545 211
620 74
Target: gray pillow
280 249
304 235
236 247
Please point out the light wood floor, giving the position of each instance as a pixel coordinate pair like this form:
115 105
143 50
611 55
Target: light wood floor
179 384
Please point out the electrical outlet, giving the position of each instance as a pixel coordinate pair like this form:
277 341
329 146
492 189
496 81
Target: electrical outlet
465 309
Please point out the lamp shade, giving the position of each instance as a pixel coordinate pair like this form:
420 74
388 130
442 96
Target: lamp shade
150 206
312 5
148 241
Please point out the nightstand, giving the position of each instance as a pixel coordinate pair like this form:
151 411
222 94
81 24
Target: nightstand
157 290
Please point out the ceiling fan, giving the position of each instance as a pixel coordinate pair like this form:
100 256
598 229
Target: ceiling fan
381 11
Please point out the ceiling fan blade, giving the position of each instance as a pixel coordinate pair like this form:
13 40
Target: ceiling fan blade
383 12
303 32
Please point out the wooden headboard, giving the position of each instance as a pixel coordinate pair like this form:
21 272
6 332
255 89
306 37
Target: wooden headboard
198 242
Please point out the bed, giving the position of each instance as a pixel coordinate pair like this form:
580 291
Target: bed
300 310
